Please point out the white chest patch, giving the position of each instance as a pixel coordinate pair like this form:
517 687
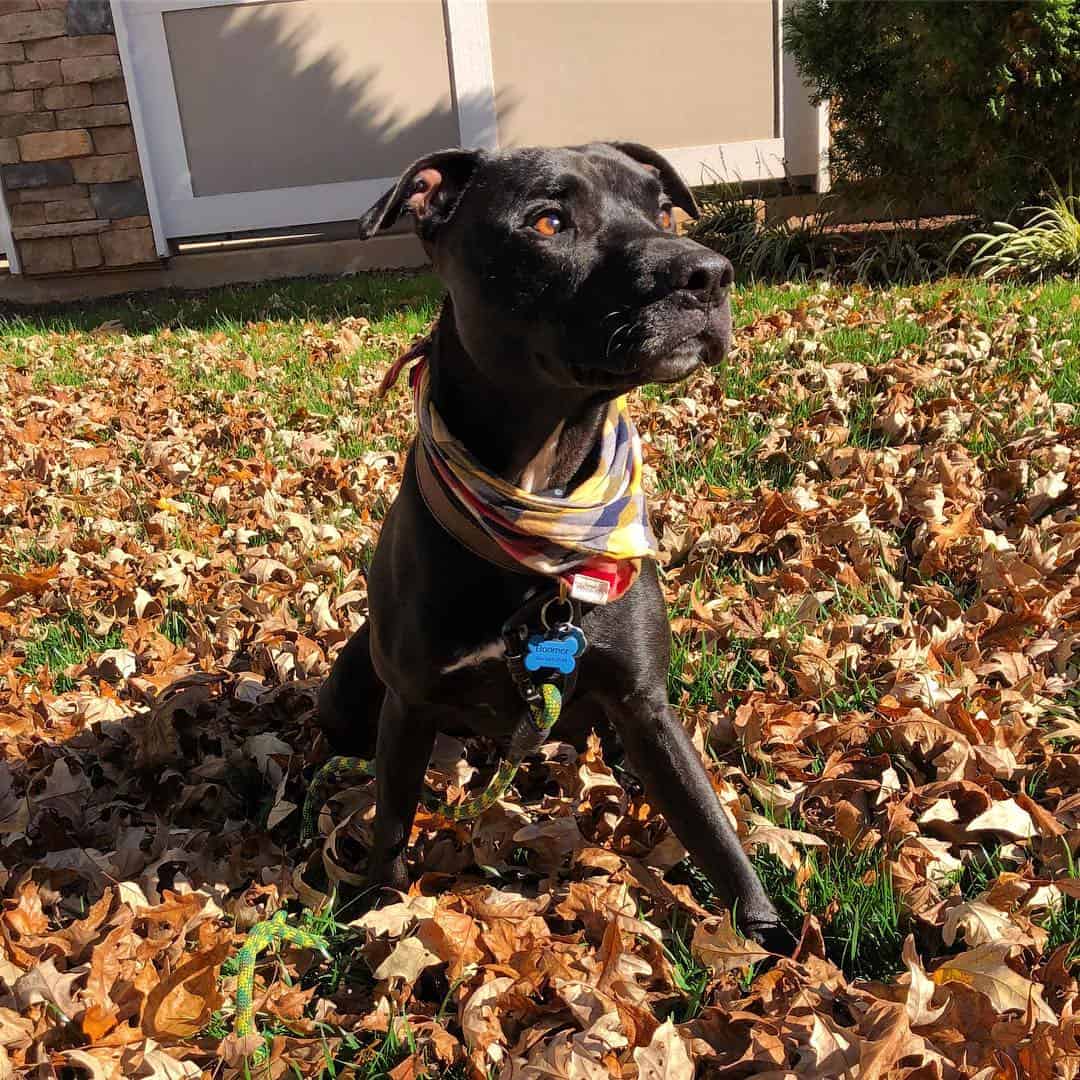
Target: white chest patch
494 650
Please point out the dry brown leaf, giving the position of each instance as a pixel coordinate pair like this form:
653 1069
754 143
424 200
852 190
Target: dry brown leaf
406 961
717 945
180 1005
666 1056
57 988
984 969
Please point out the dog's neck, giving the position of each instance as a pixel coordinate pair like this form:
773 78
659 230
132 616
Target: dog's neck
535 438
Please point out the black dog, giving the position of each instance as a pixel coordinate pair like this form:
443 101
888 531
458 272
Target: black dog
567 287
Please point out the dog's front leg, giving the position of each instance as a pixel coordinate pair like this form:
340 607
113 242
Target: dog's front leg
664 759
406 739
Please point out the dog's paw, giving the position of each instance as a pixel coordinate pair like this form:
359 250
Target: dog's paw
387 878
775 937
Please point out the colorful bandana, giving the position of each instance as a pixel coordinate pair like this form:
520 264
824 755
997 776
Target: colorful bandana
593 538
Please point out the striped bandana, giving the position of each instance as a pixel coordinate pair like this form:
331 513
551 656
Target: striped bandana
592 539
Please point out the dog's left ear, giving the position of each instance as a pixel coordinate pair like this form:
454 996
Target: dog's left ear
429 189
657 163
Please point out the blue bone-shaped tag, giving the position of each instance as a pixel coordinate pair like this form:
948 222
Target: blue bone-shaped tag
559 653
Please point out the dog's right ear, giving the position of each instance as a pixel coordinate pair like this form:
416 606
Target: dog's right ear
429 189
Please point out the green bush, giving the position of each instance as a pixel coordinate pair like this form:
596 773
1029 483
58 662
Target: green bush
970 104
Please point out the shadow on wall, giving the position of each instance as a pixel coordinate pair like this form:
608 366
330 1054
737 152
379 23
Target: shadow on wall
293 95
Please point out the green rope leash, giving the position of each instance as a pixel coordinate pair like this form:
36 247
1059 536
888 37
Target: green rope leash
333 775
261 937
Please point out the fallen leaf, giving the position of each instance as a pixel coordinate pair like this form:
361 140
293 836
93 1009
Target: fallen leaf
984 969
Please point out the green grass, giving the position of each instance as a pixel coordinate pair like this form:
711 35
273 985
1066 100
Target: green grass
175 625
399 297
852 894
691 978
977 874
63 642
702 669
855 693
33 554
1062 924
734 465
268 341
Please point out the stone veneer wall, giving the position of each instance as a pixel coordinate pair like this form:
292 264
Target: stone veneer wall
70 172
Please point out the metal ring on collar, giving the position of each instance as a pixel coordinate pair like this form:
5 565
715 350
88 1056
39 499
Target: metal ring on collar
557 599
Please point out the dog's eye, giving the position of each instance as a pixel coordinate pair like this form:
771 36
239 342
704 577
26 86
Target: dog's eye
548 223
663 218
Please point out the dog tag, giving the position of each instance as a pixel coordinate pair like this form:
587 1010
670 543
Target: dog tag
591 589
557 650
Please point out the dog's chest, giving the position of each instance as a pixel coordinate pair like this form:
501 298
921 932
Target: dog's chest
475 657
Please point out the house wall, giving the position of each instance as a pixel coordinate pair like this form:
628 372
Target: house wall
68 163
665 73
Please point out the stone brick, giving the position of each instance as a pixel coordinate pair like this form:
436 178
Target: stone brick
114 140
12 54
62 228
74 96
128 247
9 151
22 101
6 82
90 68
37 174
35 76
27 214
53 194
28 122
89 17
60 48
46 256
110 92
105 169
50 145
119 200
140 222
68 210
87 251
94 116
29 25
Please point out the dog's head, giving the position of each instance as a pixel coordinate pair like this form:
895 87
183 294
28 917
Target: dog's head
566 260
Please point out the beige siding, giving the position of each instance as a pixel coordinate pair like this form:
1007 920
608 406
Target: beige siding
309 91
664 72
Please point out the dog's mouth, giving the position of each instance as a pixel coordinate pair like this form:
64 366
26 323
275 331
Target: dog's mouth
661 342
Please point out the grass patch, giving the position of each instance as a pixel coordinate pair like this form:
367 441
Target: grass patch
33 554
691 977
701 670
63 643
403 298
852 895
856 694
175 625
734 465
1063 922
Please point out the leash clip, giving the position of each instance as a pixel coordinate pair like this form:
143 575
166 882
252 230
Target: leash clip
514 639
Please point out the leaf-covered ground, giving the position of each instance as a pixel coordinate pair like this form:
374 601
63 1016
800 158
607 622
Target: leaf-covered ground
872 560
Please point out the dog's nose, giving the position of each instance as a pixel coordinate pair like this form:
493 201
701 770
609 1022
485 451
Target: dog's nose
702 273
